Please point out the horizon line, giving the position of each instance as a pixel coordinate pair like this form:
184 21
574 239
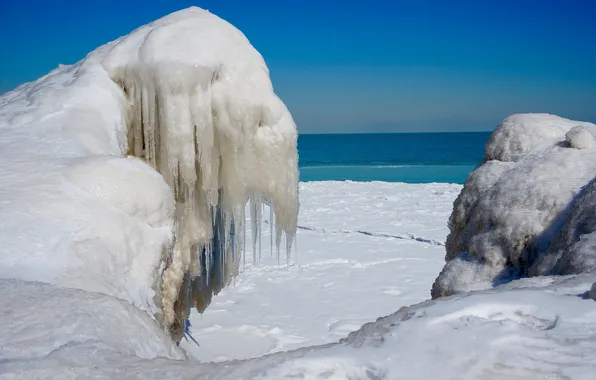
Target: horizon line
390 133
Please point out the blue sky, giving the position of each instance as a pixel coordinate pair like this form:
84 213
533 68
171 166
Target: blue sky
348 66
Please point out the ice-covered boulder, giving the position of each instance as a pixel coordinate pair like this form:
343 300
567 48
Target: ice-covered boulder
128 172
515 203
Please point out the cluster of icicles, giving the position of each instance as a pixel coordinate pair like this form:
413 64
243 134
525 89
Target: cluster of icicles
174 127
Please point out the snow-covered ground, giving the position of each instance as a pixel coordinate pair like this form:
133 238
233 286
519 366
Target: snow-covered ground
364 250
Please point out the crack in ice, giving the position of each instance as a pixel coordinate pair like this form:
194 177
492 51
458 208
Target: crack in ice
374 234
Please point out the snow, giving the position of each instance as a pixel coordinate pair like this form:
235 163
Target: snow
364 250
186 95
297 321
41 319
529 329
109 206
515 203
525 333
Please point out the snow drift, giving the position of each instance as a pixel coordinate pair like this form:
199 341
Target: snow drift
517 214
127 173
530 329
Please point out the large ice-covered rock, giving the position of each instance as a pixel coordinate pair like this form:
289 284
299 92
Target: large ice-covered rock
127 173
515 203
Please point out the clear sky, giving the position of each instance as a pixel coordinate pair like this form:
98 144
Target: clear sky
351 66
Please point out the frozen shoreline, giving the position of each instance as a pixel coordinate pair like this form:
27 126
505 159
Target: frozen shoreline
96 245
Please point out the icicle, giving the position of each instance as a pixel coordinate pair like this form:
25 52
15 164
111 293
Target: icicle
296 248
206 131
253 229
206 255
260 221
232 262
153 132
146 128
208 260
278 233
288 248
271 215
255 218
224 259
243 218
138 124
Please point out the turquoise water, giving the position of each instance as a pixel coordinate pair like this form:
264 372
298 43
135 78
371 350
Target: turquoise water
399 157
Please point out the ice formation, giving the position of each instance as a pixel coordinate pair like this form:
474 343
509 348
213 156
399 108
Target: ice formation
186 95
515 203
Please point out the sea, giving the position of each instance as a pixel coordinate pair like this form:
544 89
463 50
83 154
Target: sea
395 157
